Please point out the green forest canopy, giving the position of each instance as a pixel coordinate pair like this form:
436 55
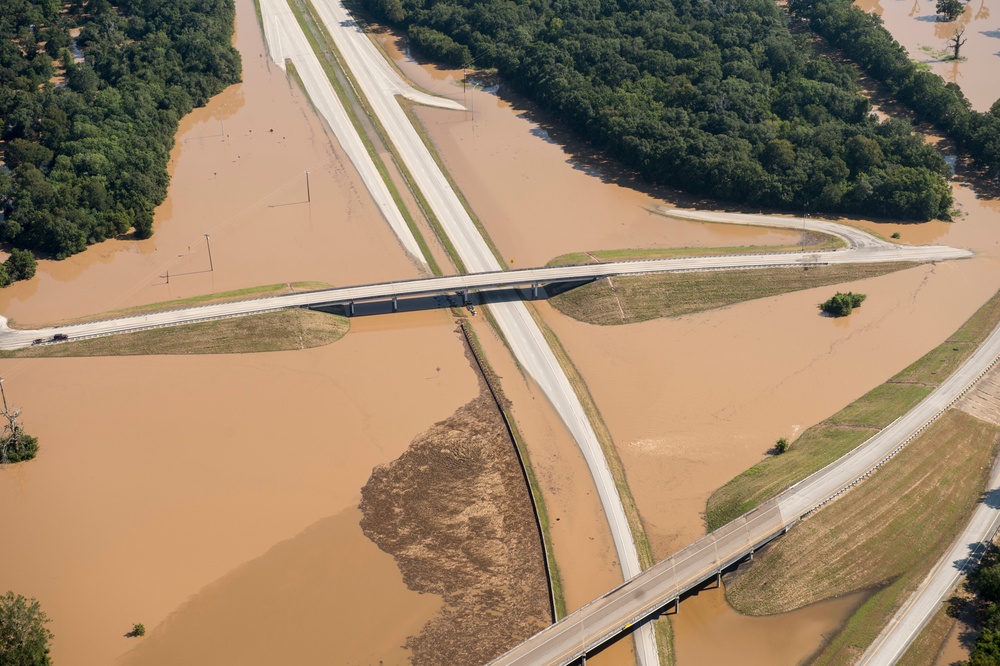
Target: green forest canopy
717 97
86 157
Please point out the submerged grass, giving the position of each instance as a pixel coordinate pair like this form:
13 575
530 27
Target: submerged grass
635 298
826 441
269 331
886 534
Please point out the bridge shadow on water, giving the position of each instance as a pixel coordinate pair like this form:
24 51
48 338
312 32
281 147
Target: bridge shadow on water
453 300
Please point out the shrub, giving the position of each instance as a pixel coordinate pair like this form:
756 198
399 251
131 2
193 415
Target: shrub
139 629
781 446
841 304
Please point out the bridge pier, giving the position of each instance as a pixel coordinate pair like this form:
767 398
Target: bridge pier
534 290
718 578
465 297
350 308
751 553
395 303
677 605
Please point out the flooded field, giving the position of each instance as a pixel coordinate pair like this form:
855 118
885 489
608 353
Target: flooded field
214 499
710 632
680 429
914 24
175 491
243 184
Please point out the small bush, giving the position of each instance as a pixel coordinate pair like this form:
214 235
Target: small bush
896 235
781 446
139 629
841 304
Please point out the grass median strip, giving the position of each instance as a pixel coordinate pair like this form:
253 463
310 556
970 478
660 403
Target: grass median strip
636 298
884 535
269 331
815 243
828 440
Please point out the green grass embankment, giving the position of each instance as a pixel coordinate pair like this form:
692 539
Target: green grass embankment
830 439
885 535
270 331
635 298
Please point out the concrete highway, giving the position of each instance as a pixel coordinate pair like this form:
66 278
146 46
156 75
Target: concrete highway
616 611
520 331
286 42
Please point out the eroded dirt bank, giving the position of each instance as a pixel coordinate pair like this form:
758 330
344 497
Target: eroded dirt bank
455 513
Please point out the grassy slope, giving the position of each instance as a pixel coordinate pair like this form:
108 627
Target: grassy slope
886 534
842 432
644 297
270 331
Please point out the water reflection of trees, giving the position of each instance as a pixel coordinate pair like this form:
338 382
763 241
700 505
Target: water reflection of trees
983 12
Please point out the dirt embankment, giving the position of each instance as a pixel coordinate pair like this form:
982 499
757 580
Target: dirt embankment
455 513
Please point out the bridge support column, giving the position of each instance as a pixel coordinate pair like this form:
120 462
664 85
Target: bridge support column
718 579
534 290
350 308
395 303
677 605
751 553
465 297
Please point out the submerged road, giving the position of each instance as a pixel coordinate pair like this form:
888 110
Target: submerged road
636 599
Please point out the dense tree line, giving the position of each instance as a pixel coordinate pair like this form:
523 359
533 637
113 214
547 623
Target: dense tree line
866 41
717 97
86 159
985 581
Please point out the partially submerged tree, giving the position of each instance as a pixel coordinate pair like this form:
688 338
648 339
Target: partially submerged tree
15 444
949 10
24 639
956 42
841 304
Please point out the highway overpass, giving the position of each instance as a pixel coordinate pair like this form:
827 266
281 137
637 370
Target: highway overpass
465 284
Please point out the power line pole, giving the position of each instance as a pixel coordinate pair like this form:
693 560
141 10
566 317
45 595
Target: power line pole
211 266
308 195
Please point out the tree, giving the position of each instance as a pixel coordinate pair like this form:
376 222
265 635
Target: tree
841 304
956 42
139 629
949 10
20 265
15 444
24 639
781 446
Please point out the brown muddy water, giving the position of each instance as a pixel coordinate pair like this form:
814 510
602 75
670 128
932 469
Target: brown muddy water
213 499
180 491
710 632
914 24
693 401
243 184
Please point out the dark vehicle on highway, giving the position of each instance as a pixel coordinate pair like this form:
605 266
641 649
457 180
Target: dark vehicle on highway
38 341
60 336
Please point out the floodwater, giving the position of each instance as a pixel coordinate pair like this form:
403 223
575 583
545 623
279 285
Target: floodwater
213 498
708 631
296 594
681 432
174 491
914 24
537 199
244 185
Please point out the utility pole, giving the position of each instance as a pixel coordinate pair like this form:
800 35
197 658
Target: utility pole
308 195
211 266
5 408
